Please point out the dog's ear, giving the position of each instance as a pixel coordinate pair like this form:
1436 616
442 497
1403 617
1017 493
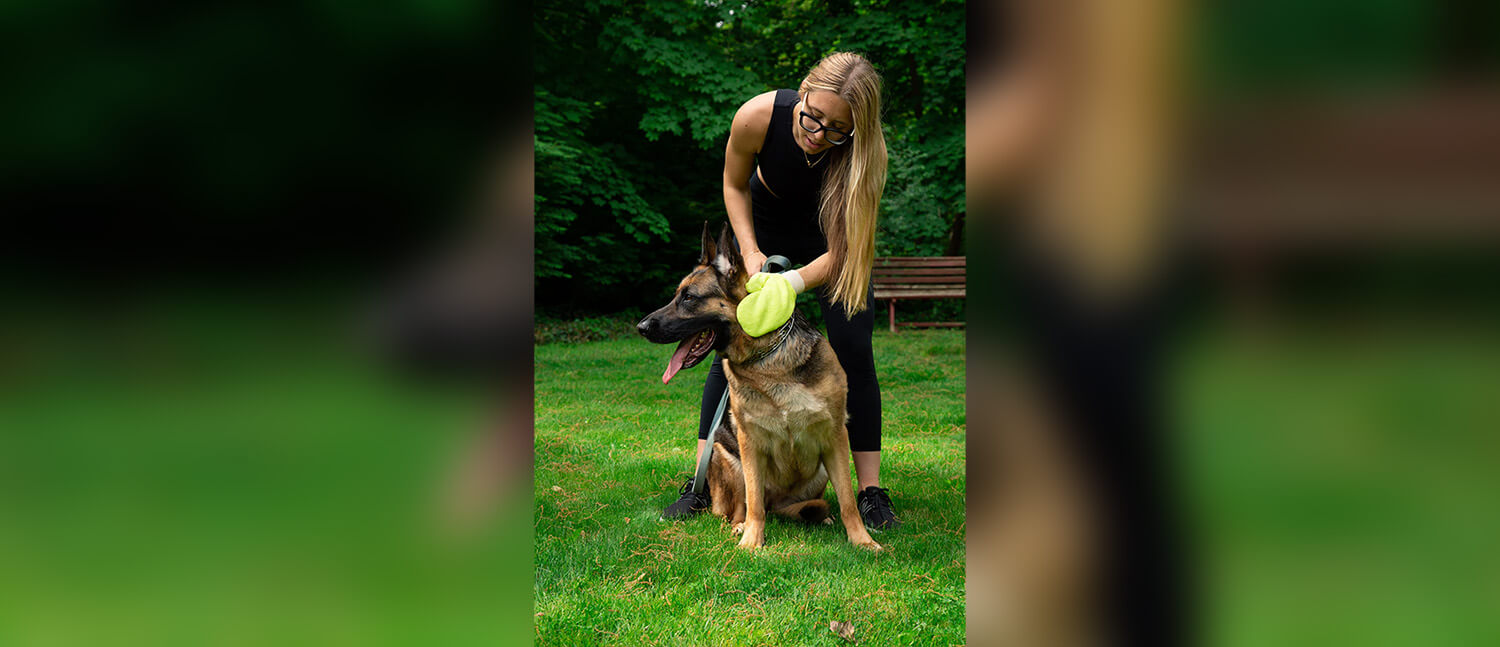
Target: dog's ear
706 257
729 252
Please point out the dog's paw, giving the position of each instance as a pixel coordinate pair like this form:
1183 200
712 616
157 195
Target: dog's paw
752 540
739 528
870 545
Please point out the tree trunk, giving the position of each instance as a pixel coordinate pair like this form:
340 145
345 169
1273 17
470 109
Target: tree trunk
956 237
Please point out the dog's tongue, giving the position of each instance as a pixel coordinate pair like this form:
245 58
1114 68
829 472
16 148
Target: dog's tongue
678 357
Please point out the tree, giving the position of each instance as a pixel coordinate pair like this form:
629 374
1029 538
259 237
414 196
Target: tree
634 101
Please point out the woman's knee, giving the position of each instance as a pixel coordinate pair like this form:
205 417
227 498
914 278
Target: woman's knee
851 342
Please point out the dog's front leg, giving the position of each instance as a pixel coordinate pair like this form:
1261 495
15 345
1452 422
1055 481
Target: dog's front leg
836 462
751 463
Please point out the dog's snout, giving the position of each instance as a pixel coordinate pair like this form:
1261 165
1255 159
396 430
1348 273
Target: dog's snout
646 326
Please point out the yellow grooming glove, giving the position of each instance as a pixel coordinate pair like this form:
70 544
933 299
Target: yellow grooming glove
769 305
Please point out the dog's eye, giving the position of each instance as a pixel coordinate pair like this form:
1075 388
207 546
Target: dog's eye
687 298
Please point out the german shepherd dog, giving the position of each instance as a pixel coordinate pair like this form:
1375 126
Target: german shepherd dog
784 435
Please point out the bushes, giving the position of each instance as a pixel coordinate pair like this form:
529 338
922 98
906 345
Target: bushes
550 329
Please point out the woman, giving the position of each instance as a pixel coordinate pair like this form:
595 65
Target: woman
803 174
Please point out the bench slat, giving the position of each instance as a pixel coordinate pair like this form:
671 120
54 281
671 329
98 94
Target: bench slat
922 259
912 271
956 266
921 279
952 293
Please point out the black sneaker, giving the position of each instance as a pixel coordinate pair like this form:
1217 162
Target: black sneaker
875 508
689 504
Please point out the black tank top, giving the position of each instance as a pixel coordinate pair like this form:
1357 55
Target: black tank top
785 204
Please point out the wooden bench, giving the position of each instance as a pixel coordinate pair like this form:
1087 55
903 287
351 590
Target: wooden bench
919 277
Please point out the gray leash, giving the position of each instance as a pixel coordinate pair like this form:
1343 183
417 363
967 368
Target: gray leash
700 478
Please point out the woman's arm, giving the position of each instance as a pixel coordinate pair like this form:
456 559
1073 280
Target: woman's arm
817 272
745 137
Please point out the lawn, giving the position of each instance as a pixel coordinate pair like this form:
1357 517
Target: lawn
193 471
613 444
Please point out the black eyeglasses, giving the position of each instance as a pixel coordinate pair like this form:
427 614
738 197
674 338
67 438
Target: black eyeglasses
833 135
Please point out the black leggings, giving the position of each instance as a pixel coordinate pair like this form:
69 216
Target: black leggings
850 338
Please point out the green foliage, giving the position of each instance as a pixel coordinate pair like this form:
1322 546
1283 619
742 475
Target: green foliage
594 205
552 330
918 208
633 105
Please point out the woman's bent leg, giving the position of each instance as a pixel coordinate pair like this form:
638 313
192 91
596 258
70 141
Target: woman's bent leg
851 340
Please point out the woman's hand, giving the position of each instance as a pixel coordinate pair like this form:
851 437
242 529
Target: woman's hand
754 260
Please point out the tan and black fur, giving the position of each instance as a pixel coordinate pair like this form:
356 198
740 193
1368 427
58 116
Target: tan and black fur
784 434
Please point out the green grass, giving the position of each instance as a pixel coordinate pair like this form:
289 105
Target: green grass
613 444
196 471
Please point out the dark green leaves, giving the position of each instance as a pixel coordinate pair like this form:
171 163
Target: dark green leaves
634 105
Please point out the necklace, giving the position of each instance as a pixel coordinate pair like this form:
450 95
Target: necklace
810 162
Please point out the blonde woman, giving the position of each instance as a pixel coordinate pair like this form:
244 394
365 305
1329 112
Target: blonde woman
803 174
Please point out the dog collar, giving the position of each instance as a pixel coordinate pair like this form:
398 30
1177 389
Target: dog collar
782 334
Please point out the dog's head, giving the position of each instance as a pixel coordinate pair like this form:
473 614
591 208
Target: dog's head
701 315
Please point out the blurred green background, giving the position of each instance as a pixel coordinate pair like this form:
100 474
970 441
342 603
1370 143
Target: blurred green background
203 202
1335 374
198 471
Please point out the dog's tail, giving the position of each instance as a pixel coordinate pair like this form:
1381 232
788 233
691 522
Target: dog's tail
810 511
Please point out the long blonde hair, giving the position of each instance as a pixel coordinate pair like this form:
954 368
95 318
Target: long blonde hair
852 188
